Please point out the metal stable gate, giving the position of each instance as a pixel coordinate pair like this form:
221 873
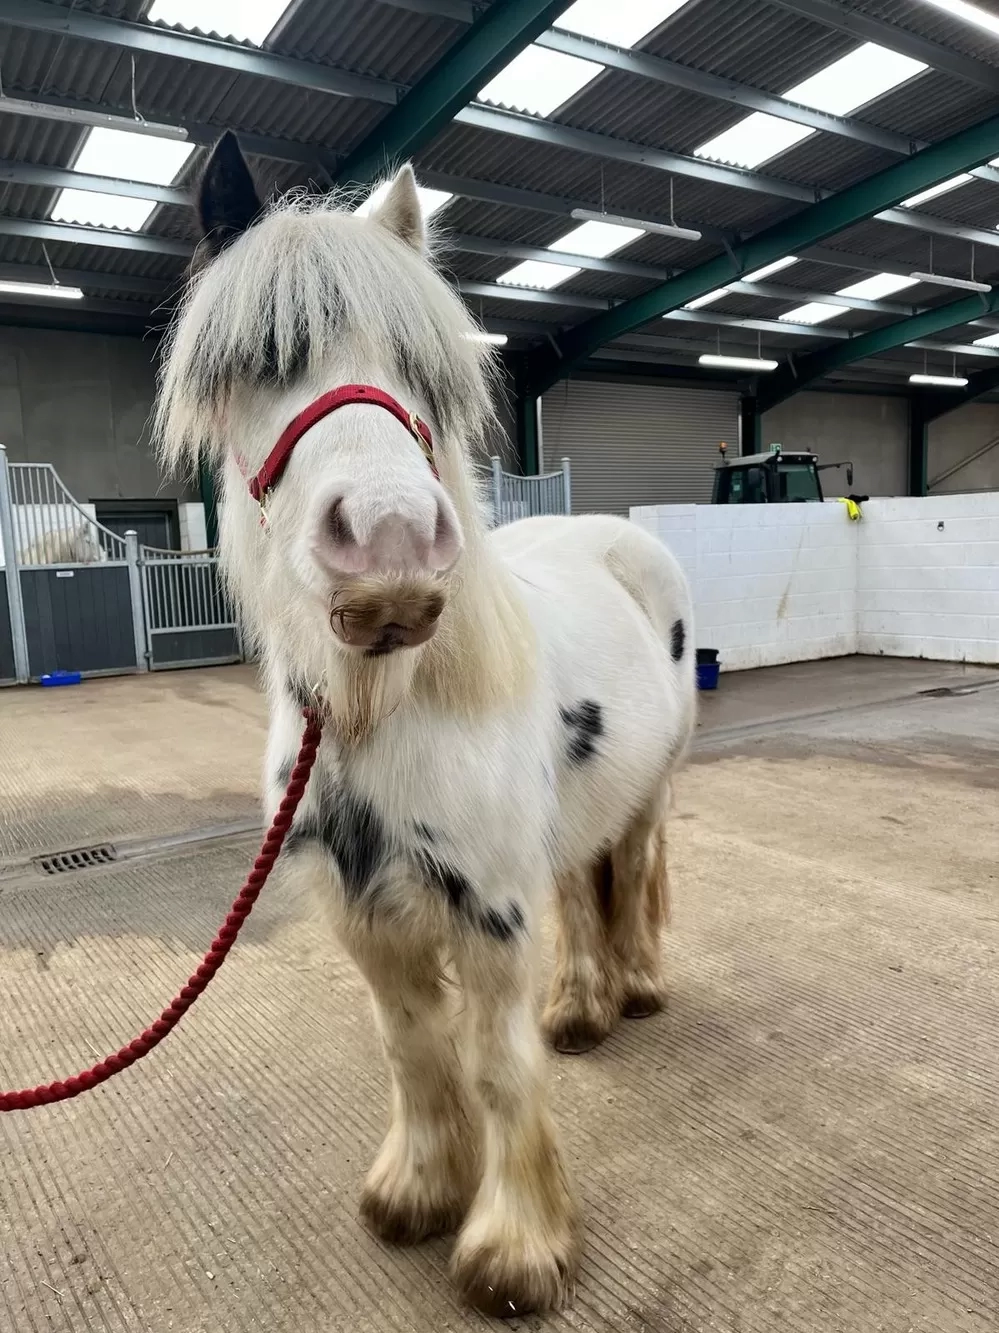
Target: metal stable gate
189 618
75 596
525 497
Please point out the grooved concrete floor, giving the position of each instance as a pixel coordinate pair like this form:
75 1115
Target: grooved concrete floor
807 1139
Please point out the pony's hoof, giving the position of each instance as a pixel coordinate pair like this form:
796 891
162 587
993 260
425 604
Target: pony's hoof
506 1279
404 1219
574 1034
574 1022
642 999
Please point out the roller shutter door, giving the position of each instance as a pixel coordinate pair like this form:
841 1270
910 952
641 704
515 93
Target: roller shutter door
636 444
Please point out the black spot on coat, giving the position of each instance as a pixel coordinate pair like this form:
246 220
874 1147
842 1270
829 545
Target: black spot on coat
677 640
503 926
448 881
585 723
350 830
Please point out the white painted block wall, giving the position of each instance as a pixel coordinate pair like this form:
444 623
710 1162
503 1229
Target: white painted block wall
928 578
791 583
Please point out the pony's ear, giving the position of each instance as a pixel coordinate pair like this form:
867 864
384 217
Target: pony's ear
400 212
227 197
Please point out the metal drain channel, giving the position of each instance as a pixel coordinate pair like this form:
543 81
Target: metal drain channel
80 858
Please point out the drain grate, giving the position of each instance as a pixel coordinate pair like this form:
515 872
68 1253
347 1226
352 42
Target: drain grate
81 858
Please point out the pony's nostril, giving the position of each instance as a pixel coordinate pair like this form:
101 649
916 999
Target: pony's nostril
447 538
338 527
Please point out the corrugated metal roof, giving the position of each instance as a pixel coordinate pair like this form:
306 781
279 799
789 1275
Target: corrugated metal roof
749 41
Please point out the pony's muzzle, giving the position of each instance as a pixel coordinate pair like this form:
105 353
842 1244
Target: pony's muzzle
380 614
421 535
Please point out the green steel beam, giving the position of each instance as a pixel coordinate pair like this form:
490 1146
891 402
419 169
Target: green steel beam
885 189
937 405
798 374
503 31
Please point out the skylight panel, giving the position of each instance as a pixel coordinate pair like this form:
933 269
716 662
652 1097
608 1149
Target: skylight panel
866 73
754 139
132 157
598 239
932 191
536 273
768 270
101 210
249 21
966 13
537 81
707 299
618 22
812 312
125 156
430 200
877 286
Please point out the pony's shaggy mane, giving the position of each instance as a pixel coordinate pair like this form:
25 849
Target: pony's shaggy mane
309 281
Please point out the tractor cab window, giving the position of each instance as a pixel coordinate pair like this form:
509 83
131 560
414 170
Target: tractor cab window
797 481
754 486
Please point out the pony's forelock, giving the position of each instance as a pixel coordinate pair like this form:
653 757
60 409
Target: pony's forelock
311 280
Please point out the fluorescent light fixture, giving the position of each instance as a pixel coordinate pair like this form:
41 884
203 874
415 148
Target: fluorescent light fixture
481 336
990 340
812 312
965 13
659 228
46 289
707 299
768 270
941 280
945 381
866 73
598 239
536 273
538 81
621 23
430 200
249 21
932 191
736 362
127 157
877 286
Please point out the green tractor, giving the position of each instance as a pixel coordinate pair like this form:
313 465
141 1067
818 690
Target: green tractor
781 476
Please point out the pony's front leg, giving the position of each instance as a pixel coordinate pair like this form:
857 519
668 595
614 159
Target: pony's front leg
423 1178
518 1249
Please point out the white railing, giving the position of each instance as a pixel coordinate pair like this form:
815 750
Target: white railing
517 497
50 526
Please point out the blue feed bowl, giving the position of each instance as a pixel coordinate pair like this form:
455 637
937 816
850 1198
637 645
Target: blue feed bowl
61 678
707 675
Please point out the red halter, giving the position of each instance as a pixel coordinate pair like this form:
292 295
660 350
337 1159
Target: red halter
277 460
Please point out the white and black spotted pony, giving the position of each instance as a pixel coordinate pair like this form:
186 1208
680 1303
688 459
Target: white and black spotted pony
505 709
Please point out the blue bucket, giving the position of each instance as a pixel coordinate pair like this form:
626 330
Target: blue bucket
707 675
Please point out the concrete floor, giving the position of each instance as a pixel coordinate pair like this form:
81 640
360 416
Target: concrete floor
807 1139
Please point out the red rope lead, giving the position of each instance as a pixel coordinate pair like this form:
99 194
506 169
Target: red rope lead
214 958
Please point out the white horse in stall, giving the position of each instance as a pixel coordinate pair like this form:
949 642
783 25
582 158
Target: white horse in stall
504 710
76 545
